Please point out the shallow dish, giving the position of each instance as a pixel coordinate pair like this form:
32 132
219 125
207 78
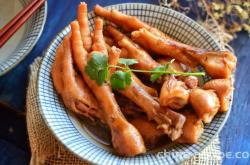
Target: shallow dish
22 42
72 133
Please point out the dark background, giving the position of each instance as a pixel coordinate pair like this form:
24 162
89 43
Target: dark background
14 145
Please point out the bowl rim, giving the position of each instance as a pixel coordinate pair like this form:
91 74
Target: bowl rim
12 65
46 53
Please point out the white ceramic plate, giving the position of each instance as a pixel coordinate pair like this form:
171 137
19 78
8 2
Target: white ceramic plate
22 42
73 134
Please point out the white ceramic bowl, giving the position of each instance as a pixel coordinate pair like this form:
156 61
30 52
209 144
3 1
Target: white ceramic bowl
73 134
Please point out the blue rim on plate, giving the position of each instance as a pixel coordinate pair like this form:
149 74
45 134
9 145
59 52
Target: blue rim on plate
59 120
33 32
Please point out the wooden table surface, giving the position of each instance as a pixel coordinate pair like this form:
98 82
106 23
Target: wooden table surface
14 149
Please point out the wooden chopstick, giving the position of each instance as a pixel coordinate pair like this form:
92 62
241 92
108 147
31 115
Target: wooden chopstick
10 28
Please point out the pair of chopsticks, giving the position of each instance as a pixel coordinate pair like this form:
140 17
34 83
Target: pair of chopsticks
11 27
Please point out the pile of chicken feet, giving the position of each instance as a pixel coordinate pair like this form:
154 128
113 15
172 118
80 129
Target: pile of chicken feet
137 116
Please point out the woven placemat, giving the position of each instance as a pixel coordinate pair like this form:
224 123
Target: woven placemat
45 149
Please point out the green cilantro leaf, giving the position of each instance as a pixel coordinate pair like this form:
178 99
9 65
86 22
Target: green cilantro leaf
162 68
97 67
120 79
102 76
155 76
127 61
101 60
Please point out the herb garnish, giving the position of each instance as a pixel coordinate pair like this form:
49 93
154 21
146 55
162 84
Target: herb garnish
97 69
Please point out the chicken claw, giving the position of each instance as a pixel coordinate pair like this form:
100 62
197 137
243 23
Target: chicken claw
132 23
126 139
145 61
114 54
205 103
191 82
162 46
127 22
75 94
219 64
192 128
223 88
171 123
148 129
98 38
168 121
56 70
153 92
174 93
82 18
